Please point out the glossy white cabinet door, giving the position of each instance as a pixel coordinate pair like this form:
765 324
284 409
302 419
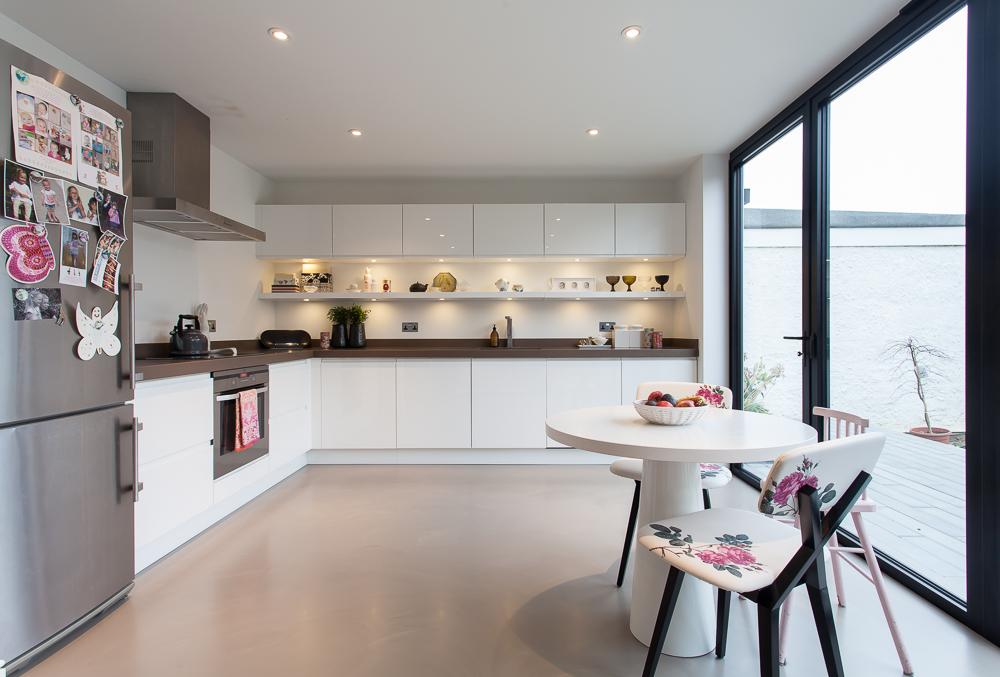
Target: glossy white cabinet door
437 230
175 489
290 387
650 229
367 231
176 414
289 437
580 230
509 231
358 404
579 384
508 404
434 404
295 231
638 371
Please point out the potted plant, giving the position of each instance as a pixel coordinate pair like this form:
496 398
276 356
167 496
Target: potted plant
357 315
340 317
917 358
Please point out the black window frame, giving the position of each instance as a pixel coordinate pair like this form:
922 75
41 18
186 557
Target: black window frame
982 610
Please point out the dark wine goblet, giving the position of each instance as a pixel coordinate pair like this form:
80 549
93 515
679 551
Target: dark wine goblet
629 280
612 280
661 280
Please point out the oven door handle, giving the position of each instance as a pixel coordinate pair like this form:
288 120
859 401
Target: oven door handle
226 398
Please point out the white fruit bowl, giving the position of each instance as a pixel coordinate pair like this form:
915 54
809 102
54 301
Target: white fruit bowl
669 415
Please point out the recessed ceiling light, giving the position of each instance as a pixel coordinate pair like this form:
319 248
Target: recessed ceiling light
577 298
278 34
593 132
508 259
632 32
307 300
441 260
354 132
645 259
440 299
558 219
576 259
510 299
305 260
427 218
373 260
374 299
645 298
441 235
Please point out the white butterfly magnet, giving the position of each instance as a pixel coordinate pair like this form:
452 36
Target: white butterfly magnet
98 332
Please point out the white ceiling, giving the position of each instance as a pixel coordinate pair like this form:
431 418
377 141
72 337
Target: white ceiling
466 88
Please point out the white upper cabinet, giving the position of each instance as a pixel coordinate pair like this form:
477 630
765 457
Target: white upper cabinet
650 229
580 230
509 231
368 231
437 230
295 231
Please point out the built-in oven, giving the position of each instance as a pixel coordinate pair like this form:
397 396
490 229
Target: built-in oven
228 386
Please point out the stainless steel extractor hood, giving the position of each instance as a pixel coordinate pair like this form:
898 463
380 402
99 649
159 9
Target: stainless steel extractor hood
171 171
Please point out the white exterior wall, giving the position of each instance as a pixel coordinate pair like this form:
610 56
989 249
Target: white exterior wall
909 282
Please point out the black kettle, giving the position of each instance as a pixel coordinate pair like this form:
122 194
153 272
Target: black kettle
187 340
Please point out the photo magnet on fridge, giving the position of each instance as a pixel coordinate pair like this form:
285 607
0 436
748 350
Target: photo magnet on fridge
36 303
73 253
111 212
30 257
98 332
18 204
49 198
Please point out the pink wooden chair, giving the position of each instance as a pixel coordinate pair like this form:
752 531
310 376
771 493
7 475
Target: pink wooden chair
837 424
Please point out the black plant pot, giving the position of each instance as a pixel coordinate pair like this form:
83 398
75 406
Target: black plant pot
357 339
338 336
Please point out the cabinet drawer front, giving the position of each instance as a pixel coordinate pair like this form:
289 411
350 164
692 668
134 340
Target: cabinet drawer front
434 404
289 437
176 414
508 404
359 399
290 386
175 489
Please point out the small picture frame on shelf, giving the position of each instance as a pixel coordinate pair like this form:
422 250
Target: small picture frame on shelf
574 285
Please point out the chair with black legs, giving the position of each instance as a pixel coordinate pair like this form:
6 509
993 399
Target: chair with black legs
764 559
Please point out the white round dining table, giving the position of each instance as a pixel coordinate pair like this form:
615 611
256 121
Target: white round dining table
671 486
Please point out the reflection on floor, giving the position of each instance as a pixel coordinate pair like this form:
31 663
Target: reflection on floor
371 571
919 486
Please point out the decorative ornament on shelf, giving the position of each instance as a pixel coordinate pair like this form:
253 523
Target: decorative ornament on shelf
445 282
503 284
464 285
368 280
612 280
98 332
417 287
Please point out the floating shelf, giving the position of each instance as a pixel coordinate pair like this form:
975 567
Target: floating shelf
362 297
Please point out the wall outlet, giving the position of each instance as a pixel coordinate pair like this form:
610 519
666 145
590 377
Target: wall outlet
211 326
606 326
409 326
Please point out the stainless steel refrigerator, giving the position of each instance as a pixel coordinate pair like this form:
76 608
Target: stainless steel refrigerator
67 451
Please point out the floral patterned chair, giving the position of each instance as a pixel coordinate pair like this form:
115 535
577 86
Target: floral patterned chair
765 559
713 475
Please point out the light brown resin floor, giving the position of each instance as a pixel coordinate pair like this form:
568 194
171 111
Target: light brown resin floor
442 571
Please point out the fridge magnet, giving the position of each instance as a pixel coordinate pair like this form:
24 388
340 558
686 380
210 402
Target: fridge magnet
111 211
18 203
99 148
73 263
30 257
50 122
49 200
36 303
98 332
61 318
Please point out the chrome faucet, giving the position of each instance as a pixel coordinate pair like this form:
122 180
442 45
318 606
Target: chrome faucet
510 331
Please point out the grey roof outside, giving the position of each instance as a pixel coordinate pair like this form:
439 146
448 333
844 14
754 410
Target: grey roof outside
792 218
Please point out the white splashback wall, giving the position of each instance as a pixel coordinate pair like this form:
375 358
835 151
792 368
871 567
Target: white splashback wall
177 274
475 319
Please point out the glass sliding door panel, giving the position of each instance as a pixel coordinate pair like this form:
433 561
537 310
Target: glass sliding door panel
897 292
772 280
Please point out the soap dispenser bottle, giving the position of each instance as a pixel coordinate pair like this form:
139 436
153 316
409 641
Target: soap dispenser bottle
494 338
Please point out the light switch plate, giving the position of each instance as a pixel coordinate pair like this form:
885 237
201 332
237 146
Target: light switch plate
211 326
409 326
606 326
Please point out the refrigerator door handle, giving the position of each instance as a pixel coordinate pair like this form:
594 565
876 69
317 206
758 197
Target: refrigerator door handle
136 484
133 287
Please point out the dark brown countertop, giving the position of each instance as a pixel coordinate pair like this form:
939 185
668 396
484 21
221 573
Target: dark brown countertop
152 362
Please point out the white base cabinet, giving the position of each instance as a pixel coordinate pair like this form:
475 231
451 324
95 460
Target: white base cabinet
508 404
637 372
434 404
176 488
359 398
578 384
290 424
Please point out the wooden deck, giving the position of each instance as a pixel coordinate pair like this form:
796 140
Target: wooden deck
920 490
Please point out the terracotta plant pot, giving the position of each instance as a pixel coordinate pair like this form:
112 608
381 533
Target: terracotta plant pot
942 435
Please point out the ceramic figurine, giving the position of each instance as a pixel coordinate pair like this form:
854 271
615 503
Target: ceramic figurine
368 279
502 284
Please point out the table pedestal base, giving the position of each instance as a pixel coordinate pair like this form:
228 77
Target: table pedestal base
668 490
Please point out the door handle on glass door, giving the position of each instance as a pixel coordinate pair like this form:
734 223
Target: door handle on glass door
136 484
812 343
